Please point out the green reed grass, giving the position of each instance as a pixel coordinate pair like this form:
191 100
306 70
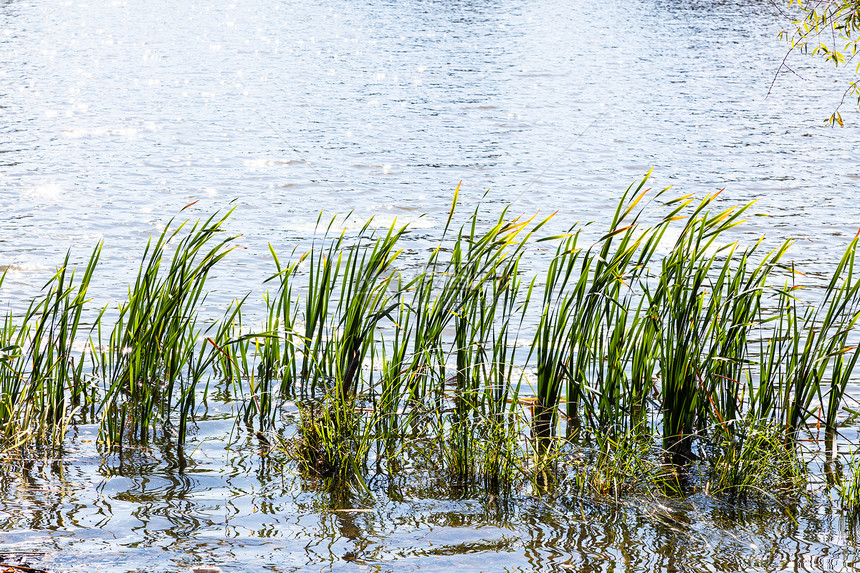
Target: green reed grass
334 441
486 452
619 463
694 341
279 356
687 324
150 365
40 383
848 488
587 317
756 463
737 294
809 352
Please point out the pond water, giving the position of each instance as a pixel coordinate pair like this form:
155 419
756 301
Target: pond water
137 512
115 115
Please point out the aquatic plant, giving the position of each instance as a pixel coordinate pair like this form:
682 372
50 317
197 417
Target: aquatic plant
805 345
737 293
686 322
334 441
633 339
617 464
40 384
278 349
848 488
155 337
757 463
483 452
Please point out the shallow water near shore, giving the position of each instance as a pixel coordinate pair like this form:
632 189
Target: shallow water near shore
116 115
381 109
139 512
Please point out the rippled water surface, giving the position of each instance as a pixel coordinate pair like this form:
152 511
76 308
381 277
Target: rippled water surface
136 512
115 115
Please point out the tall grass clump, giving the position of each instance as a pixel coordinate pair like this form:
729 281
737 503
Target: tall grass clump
687 304
757 463
619 463
737 294
589 325
334 442
636 333
375 342
350 290
808 352
487 304
154 358
41 386
661 328
821 348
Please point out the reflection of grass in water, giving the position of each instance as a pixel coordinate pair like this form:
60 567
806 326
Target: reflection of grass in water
639 339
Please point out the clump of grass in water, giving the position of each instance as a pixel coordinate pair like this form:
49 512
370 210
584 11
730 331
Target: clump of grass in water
620 464
757 463
607 326
483 452
154 358
40 384
479 434
849 488
334 438
586 308
687 324
333 443
479 287
278 345
626 338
